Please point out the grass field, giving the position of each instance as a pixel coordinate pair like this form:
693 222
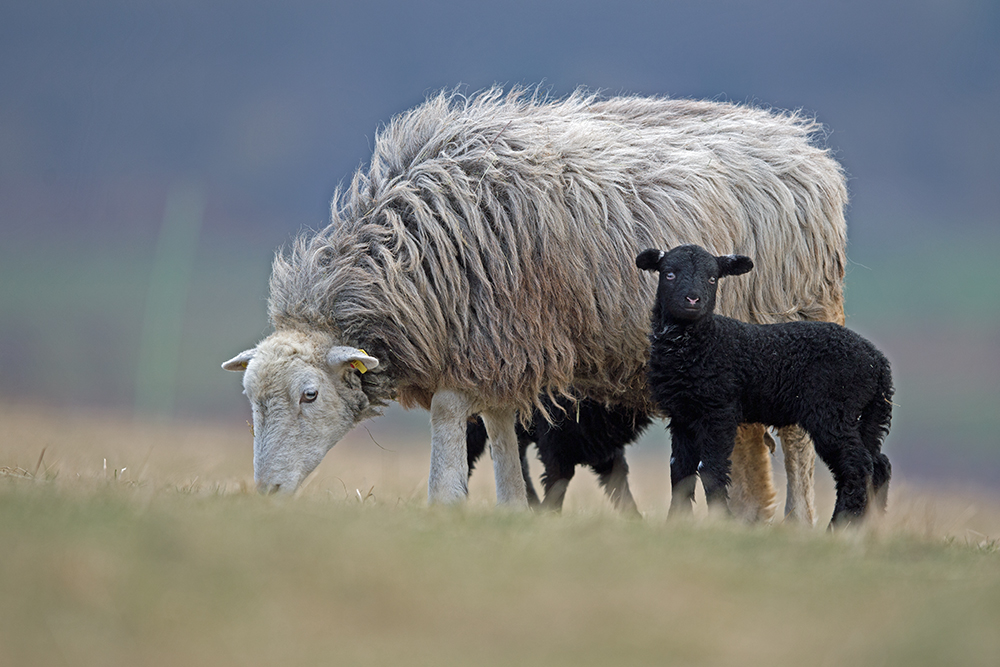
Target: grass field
141 543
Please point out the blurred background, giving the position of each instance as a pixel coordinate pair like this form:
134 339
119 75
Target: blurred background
153 156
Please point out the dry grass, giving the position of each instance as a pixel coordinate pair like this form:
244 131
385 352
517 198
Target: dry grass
166 557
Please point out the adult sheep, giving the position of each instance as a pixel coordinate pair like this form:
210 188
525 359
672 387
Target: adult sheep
485 258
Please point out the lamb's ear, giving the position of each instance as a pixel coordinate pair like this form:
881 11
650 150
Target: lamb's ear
649 260
734 265
240 361
358 359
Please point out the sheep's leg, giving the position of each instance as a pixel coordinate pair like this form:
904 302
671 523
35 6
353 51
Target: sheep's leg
507 469
525 437
752 496
800 467
476 439
614 479
684 457
448 481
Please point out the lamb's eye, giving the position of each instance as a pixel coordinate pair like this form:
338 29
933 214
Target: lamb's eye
711 280
669 275
308 396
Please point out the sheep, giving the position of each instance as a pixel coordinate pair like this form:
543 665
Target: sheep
479 261
710 373
587 433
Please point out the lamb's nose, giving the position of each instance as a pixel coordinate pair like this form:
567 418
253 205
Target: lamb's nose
692 300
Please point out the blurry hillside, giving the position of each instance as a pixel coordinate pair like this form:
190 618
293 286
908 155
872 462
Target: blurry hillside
153 157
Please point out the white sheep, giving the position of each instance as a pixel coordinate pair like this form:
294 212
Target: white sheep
482 260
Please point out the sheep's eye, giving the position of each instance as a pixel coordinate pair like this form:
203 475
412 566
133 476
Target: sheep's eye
308 396
711 280
669 275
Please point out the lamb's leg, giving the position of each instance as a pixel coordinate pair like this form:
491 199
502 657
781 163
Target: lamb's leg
880 481
558 472
752 496
874 425
800 458
614 479
555 492
800 467
851 466
553 444
507 470
684 457
852 497
475 441
448 481
717 433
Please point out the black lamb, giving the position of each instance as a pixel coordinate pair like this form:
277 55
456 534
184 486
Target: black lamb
710 373
595 435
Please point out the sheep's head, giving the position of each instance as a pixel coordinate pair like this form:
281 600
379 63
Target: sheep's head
689 277
306 394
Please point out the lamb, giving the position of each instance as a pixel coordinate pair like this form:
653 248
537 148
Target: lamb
480 261
710 373
585 434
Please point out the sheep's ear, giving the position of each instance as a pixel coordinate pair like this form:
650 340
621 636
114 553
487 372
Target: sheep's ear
734 265
356 358
240 361
649 260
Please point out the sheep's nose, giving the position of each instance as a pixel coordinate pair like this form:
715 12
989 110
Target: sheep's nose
692 299
267 489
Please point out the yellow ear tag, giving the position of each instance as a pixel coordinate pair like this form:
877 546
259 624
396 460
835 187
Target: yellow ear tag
357 365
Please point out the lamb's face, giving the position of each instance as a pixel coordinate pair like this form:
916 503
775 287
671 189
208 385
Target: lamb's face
689 277
305 395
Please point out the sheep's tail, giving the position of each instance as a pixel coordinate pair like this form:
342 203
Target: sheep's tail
877 415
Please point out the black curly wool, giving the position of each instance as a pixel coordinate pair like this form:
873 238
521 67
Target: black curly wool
710 373
588 433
